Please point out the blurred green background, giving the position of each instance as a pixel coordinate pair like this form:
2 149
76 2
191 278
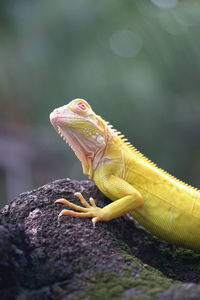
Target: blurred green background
137 62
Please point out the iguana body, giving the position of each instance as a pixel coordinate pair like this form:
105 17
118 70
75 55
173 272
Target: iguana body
165 206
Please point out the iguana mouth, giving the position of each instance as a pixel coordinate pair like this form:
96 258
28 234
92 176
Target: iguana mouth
69 138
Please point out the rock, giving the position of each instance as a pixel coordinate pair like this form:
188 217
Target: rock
42 257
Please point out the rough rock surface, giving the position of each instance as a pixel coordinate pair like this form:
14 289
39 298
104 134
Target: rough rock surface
43 258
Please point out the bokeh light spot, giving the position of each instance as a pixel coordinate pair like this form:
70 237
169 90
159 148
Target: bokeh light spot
125 43
165 3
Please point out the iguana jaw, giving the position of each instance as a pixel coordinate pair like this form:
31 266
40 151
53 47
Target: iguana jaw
72 127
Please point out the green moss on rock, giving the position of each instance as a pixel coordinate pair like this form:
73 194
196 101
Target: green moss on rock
144 284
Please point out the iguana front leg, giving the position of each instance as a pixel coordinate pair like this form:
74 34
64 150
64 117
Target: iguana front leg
128 199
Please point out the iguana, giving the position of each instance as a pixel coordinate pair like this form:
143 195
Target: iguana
164 205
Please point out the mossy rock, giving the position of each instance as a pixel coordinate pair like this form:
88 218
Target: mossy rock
42 257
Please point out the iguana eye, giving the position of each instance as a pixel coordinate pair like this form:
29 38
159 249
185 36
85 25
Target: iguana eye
82 106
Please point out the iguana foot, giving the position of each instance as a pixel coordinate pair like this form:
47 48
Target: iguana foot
85 211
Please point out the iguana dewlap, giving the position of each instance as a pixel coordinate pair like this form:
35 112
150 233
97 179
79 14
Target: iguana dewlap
164 205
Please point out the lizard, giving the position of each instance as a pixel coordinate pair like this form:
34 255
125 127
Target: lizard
164 205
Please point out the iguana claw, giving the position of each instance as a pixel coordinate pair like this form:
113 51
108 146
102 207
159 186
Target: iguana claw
85 211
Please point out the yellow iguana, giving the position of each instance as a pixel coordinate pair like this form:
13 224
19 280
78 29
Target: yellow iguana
164 205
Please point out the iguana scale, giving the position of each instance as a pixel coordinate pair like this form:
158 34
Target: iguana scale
164 205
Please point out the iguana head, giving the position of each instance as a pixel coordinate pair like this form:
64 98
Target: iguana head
83 130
